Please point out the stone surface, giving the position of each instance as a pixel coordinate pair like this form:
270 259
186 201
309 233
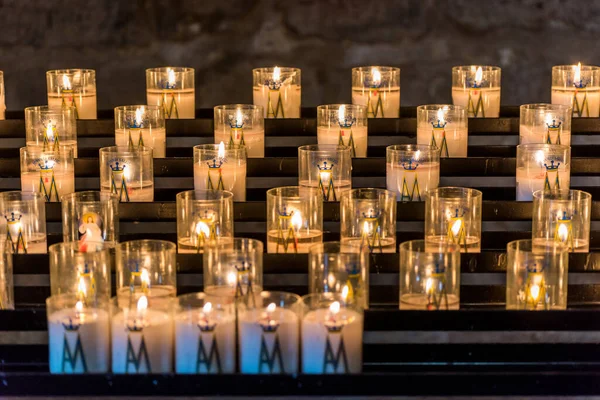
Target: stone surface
224 40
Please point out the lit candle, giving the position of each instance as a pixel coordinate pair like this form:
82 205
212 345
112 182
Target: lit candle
293 234
378 89
577 86
332 341
477 89
142 340
50 173
269 340
172 90
241 125
411 171
141 126
443 127
73 88
534 291
127 173
548 169
205 341
278 91
343 125
223 172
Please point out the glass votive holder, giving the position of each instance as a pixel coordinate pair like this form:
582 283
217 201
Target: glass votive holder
294 219
172 90
128 173
444 127
564 217
91 218
49 128
78 335
378 89
344 125
269 334
332 335
542 167
327 167
333 268
142 336
203 217
453 214
234 269
51 173
141 126
241 125
205 334
73 88
218 167
85 274
278 91
6 278
23 218
536 275
146 268
412 170
578 87
429 275
477 89
545 123
368 220
2 97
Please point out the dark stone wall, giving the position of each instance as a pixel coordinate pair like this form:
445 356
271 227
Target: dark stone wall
224 39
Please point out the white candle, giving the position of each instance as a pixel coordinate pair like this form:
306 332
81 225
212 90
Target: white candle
584 99
544 176
235 133
412 180
221 174
269 341
176 103
381 102
78 340
480 102
142 341
293 235
345 134
84 103
205 342
551 132
332 341
279 98
23 240
128 188
52 140
52 184
449 137
138 135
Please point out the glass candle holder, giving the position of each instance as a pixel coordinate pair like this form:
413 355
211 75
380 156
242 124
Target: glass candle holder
542 167
91 218
78 335
453 214
203 217
477 89
368 220
205 334
49 128
412 170
241 125
73 88
23 222
536 275
51 173
218 167
2 97
344 125
278 91
429 275
6 278
332 335
142 336
128 173
327 167
564 217
172 90
545 123
333 268
294 219
269 334
578 87
146 268
444 127
141 126
378 89
234 268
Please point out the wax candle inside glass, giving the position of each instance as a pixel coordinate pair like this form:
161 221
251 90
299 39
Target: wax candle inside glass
241 125
412 170
220 167
49 128
23 222
477 89
127 173
578 87
278 91
545 123
141 126
51 173
73 88
542 167
378 90
344 125
326 167
444 127
172 90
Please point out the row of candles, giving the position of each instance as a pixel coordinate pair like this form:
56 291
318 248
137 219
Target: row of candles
278 90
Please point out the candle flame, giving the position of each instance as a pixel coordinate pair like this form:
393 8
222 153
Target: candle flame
207 308
276 74
297 220
271 308
534 291
577 73
334 308
221 152
342 113
417 155
478 76
440 116
139 112
456 226
428 285
50 131
539 157
367 228
375 76
345 292
142 304
81 289
239 117
79 306
145 278
171 77
563 232
549 119
66 83
231 278
201 227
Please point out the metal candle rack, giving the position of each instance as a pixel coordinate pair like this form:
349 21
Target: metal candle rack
463 351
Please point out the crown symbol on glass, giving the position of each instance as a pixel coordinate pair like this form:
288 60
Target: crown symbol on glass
438 269
552 166
235 122
371 215
244 266
580 85
456 211
325 167
86 270
215 164
269 325
284 213
118 168
554 126
205 326
353 268
273 84
134 265
439 125
168 85
135 326
333 326
534 268
133 123
374 84
409 166
12 219
70 325
48 165
565 217
347 121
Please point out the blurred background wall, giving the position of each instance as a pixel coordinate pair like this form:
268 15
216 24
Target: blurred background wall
224 39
